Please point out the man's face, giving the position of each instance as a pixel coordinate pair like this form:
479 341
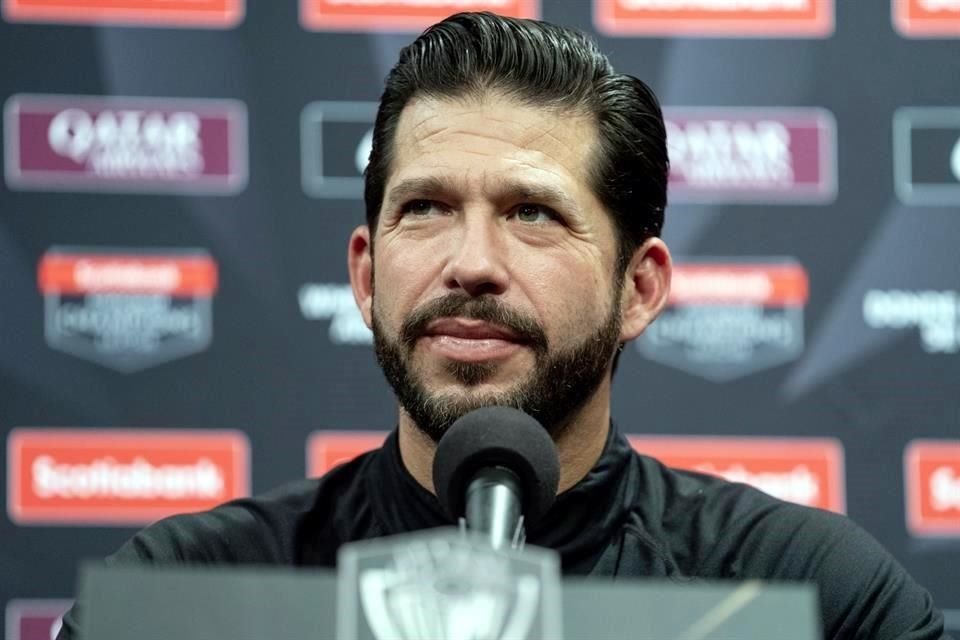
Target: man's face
493 263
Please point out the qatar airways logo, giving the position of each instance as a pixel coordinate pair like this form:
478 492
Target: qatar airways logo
126 144
118 142
732 18
751 155
932 474
100 476
806 471
401 15
927 18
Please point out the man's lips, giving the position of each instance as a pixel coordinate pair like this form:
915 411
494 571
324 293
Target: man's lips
471 340
469 329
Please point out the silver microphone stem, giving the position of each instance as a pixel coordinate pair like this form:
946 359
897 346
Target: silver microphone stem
494 507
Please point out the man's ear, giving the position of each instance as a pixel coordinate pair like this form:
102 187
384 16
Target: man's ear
360 266
646 287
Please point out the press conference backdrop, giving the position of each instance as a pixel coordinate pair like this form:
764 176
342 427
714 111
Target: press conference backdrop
180 179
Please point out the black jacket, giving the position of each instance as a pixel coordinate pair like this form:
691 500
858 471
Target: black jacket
630 516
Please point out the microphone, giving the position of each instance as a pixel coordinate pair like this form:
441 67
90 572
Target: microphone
497 468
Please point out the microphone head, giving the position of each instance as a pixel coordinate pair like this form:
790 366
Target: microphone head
497 437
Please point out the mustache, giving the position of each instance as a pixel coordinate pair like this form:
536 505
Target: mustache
485 308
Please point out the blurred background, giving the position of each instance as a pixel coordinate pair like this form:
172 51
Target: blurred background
181 178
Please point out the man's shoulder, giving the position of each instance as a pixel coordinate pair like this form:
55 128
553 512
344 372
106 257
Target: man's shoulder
297 523
676 489
714 528
273 527
720 519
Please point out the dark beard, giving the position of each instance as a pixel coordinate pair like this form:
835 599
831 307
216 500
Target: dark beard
556 388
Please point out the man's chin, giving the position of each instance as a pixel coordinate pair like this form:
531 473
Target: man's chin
433 410
476 388
455 390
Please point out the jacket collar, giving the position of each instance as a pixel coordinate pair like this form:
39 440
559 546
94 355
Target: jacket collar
579 525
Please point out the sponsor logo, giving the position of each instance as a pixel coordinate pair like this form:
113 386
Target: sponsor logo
148 13
401 15
807 471
734 18
127 309
927 18
725 320
751 155
132 477
117 144
327 449
926 155
936 314
335 141
335 303
35 619
932 472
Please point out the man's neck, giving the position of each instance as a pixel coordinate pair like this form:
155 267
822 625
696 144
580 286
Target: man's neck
579 445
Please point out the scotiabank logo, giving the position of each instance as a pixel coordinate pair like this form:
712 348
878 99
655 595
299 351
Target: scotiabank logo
327 449
927 18
127 309
146 145
932 472
727 319
148 13
101 476
735 18
807 471
751 155
401 15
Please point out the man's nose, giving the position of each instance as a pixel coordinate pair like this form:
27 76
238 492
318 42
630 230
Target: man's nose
478 260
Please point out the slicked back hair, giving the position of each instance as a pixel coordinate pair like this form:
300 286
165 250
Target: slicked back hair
541 65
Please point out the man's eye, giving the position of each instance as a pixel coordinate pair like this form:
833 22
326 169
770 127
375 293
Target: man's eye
418 207
535 213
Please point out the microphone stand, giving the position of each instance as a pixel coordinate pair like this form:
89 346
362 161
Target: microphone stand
494 508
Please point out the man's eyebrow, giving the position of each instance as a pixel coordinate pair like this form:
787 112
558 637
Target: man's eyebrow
546 194
416 187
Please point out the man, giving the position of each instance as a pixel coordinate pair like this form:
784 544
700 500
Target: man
515 195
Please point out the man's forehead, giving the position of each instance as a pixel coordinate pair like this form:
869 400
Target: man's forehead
424 116
497 126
